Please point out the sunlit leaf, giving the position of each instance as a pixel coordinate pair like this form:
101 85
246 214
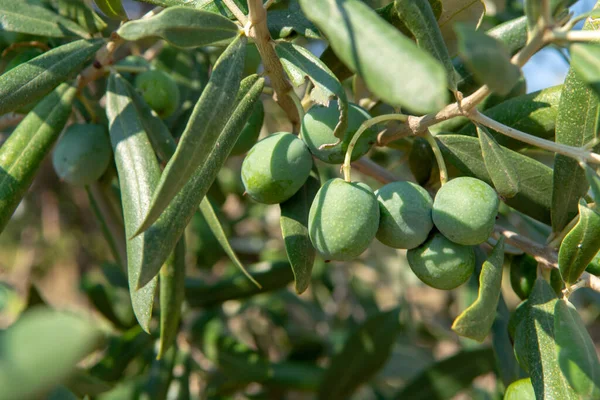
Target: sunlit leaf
498 164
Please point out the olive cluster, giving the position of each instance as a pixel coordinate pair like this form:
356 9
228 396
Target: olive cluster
345 217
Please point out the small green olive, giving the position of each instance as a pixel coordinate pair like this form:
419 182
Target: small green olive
465 209
441 263
276 168
318 126
82 154
343 219
405 210
520 390
159 90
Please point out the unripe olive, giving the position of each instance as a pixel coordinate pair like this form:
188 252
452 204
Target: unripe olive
465 210
523 273
441 263
133 61
520 390
251 130
421 160
276 168
159 90
405 215
343 219
82 154
318 126
594 266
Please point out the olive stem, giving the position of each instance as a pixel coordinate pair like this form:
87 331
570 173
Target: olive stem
299 107
370 168
365 125
439 158
235 10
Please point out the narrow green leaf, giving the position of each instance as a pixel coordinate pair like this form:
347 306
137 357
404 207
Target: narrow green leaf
508 367
160 375
294 228
534 9
364 353
83 384
520 390
172 294
487 58
79 12
183 27
22 17
139 173
112 9
576 351
580 245
41 349
287 21
22 154
577 124
585 61
444 379
165 232
534 113
36 78
470 12
214 6
393 56
208 119
299 64
110 301
477 320
498 164
594 182
419 18
215 226
535 179
272 276
546 376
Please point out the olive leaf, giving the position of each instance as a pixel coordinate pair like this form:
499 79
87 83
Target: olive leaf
476 321
158 381
498 164
487 58
594 182
520 390
577 124
41 350
183 27
576 352
172 294
294 229
419 18
580 245
23 152
535 179
79 12
272 276
508 367
165 232
22 17
112 8
364 353
534 113
138 173
300 64
446 378
284 22
585 61
213 6
533 11
394 56
36 78
539 340
459 11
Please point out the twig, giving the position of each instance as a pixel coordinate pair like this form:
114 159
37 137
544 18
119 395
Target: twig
438 157
543 254
368 167
14 46
104 57
235 10
9 120
257 29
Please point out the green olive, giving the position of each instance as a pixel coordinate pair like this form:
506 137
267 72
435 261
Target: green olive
276 168
405 220
520 390
82 154
441 263
343 219
133 61
318 126
159 90
465 210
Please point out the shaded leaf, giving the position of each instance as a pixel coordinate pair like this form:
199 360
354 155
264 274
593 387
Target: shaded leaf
294 229
508 367
580 245
182 27
79 12
456 11
533 11
41 349
499 167
138 173
444 379
165 232
211 113
477 320
585 61
418 16
487 58
284 22
22 17
594 182
112 9
23 152
36 78
160 375
394 56
535 179
213 6
577 124
364 353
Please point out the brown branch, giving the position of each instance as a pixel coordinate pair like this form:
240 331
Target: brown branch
544 255
104 57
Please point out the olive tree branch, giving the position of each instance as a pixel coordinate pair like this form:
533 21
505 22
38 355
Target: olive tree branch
104 57
235 10
256 28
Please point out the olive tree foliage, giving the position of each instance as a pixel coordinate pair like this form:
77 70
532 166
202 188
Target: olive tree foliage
412 129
